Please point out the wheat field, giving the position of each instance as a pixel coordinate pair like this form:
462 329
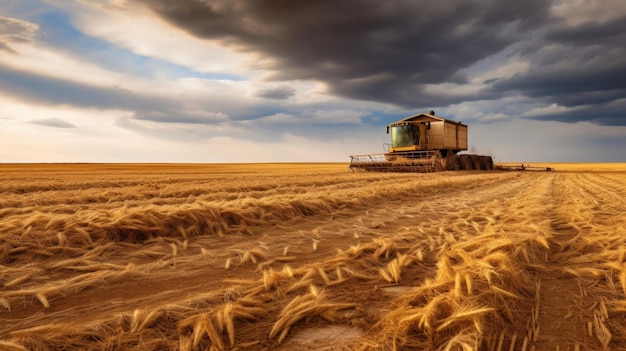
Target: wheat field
311 257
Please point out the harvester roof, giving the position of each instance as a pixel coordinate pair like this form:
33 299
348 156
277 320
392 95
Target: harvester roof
424 117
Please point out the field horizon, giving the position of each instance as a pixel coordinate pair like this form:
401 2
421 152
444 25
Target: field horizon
309 256
564 165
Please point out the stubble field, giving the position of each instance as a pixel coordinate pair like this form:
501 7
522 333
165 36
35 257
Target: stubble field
311 257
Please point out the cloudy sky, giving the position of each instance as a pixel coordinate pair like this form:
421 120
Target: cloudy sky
284 80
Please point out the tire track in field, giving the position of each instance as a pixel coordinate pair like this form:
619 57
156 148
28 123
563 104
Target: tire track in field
562 308
487 251
582 218
561 314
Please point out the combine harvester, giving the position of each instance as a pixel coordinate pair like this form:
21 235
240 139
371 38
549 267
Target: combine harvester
423 143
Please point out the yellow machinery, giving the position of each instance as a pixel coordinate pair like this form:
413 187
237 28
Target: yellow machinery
423 143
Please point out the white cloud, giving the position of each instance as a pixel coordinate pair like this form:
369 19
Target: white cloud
340 116
138 30
502 70
21 112
40 59
98 139
15 30
27 137
53 122
452 89
553 109
486 110
492 117
277 118
575 12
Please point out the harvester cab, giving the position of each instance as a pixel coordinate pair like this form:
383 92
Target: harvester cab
406 137
423 143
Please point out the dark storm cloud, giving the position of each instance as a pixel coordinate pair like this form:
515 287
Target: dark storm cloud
370 50
610 114
612 32
53 122
281 92
581 67
392 51
189 117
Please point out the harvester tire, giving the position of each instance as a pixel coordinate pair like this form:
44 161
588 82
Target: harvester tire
464 162
439 165
452 163
486 163
474 162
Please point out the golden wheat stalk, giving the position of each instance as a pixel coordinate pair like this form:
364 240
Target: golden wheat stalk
304 306
386 247
463 314
394 268
5 303
43 299
425 315
322 273
138 316
463 341
11 346
602 332
17 281
504 292
287 271
280 259
225 318
458 289
622 279
202 325
293 312
383 273
270 279
358 275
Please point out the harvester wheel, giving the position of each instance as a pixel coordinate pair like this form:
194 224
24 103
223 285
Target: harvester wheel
486 163
475 161
464 162
452 163
440 165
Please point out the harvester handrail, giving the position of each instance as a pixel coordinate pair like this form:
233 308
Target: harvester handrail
362 155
